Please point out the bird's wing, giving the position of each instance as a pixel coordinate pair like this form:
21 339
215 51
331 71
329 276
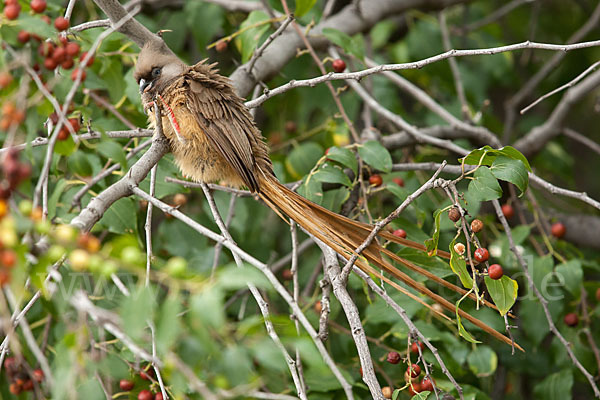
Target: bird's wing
224 119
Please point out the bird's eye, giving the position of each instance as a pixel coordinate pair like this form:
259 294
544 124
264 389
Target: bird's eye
155 72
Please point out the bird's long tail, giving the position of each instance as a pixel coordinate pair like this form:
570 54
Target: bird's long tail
345 235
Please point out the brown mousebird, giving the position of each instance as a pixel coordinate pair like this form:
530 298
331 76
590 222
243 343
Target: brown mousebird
214 138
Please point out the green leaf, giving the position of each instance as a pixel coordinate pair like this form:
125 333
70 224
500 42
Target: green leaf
557 386
463 332
486 156
377 156
135 311
303 6
352 45
168 326
248 40
79 164
207 308
232 277
571 273
484 186
421 395
483 361
512 171
461 329
312 189
65 147
114 151
333 199
459 266
33 24
504 292
331 174
432 243
121 217
343 156
302 159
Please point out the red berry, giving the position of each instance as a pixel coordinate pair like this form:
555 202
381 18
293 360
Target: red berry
45 49
414 347
495 271
5 79
147 374
15 388
72 49
38 375
23 36
63 134
375 180
38 6
12 11
598 294
339 65
126 385
9 363
50 64
145 395
558 230
482 254
75 124
400 233
221 46
414 388
27 385
75 72
61 23
427 384
286 274
67 64
158 396
83 56
414 371
508 211
59 54
571 319
398 181
476 225
393 357
387 392
46 19
454 214
8 258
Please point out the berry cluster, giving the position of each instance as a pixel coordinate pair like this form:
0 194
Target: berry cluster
13 173
64 132
412 372
11 116
152 393
20 380
481 255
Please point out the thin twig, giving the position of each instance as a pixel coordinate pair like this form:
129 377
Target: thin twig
431 183
267 42
460 89
542 300
417 65
563 87
262 304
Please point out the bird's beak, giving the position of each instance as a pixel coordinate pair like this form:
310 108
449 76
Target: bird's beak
145 85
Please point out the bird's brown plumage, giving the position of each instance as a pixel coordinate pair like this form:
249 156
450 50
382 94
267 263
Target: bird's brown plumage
214 138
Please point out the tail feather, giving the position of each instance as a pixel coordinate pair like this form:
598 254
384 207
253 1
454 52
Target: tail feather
344 235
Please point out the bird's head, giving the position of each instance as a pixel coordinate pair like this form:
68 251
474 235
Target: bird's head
156 66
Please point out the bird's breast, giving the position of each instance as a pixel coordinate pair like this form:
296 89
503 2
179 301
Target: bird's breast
194 153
